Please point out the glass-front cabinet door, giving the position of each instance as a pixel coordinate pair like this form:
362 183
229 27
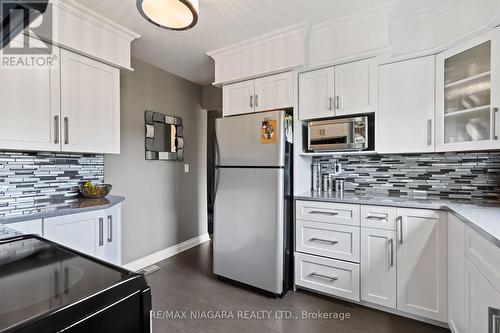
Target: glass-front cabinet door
467 97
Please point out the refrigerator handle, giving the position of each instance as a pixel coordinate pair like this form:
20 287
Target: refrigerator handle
217 162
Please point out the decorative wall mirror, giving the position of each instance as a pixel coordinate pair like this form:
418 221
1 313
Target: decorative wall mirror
164 137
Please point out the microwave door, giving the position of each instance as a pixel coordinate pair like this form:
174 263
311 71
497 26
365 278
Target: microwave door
331 137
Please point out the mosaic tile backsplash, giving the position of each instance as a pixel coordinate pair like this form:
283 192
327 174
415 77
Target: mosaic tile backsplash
447 175
30 181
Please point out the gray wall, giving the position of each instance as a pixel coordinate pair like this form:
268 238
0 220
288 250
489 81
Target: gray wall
164 206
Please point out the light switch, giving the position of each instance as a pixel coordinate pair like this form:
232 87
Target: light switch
186 168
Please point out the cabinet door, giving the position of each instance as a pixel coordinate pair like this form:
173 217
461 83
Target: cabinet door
30 112
422 271
482 302
468 97
112 235
316 91
90 105
28 227
356 87
80 232
406 97
238 98
456 274
274 92
378 266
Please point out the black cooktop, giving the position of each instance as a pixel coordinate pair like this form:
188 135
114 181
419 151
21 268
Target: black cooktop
38 277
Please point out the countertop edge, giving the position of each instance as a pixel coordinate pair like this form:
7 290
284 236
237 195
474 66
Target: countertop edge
113 201
438 206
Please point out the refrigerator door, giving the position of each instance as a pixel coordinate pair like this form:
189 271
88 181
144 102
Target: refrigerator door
251 140
248 237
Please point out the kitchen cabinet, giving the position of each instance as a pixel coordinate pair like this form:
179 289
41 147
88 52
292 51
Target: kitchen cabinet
96 233
422 270
339 91
405 117
456 274
90 105
356 87
468 95
378 266
263 94
316 93
28 227
30 114
482 302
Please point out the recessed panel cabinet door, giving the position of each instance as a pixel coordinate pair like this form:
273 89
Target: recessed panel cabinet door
316 92
378 266
30 108
422 271
456 274
238 98
356 87
90 105
406 106
274 92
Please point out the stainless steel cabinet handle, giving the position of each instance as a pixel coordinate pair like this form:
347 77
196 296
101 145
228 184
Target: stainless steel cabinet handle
66 130
256 100
391 252
101 231
251 101
110 228
429 132
56 130
330 103
318 212
378 218
337 102
314 239
333 278
400 218
495 125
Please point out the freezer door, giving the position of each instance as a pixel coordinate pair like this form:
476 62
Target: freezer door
241 141
248 227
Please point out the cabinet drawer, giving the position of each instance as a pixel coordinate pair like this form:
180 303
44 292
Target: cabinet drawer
484 255
328 212
329 240
379 217
328 276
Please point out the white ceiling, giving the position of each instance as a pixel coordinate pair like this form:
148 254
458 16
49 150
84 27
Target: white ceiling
224 22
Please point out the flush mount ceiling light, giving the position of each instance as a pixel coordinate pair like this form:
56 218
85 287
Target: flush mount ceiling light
170 14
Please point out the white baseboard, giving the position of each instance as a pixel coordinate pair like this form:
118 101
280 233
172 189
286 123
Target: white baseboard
141 263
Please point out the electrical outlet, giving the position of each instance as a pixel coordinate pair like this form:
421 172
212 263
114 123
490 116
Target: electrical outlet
186 168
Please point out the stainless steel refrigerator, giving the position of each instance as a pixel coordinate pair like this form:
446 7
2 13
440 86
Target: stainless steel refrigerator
253 200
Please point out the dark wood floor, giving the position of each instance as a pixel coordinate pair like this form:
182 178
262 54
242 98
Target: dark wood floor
186 283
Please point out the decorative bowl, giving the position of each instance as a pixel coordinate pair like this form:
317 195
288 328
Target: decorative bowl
95 191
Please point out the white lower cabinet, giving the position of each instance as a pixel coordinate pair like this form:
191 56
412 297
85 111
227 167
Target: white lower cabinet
96 233
422 271
28 227
456 274
378 266
329 276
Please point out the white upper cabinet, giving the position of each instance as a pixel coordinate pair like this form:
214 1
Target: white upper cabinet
30 108
422 263
406 106
316 92
356 87
90 105
264 94
468 95
274 92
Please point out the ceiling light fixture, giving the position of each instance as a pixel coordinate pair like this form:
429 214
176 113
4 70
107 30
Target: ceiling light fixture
170 14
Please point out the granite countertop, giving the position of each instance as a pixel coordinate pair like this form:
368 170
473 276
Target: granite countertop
481 215
79 205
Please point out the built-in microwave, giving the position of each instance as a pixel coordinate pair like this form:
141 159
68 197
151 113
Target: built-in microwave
339 134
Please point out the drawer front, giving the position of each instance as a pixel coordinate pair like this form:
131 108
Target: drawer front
379 217
328 276
334 241
484 255
326 212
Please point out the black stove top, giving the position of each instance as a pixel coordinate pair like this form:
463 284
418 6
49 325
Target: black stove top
38 277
